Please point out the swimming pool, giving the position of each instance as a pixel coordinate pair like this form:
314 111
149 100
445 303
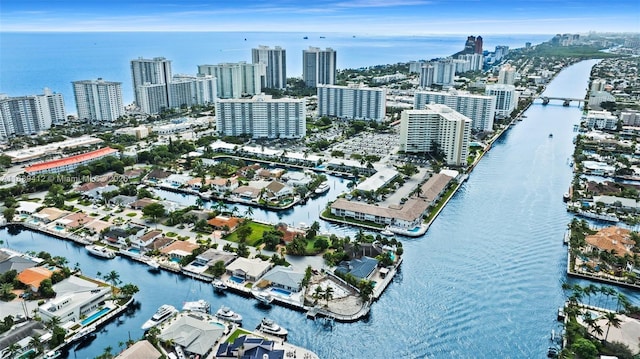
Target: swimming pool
175 260
281 291
236 279
95 316
59 228
134 250
414 229
216 324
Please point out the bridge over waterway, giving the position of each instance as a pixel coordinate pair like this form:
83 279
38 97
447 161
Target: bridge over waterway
566 101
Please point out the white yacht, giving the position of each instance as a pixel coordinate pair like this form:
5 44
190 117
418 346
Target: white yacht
163 313
229 315
263 297
322 188
218 285
80 334
197 306
100 251
386 233
268 326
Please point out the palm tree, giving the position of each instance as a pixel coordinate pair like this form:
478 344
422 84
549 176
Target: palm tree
248 212
588 320
328 294
318 293
589 290
199 202
597 330
612 319
52 323
114 278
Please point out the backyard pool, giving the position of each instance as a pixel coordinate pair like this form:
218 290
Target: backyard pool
95 316
134 250
236 279
281 291
59 228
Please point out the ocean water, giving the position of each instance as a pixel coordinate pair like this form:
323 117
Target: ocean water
31 61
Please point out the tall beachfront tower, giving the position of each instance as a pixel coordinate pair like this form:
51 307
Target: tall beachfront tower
436 124
506 98
145 72
352 102
481 109
507 75
262 117
235 80
26 115
319 66
275 61
98 100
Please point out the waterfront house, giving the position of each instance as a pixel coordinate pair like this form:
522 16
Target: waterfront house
276 190
11 261
289 233
249 348
270 173
609 239
27 208
179 249
33 276
285 278
247 170
146 239
74 220
249 269
222 185
621 203
193 332
247 193
141 349
296 178
156 176
97 226
76 297
159 243
116 236
49 214
176 181
361 268
211 256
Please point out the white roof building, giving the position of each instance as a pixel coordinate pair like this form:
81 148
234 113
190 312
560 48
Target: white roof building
250 269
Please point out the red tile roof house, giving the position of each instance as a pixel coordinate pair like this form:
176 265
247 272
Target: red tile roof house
70 163
609 239
33 276
74 220
220 221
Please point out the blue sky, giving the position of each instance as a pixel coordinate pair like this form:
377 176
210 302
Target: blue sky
358 16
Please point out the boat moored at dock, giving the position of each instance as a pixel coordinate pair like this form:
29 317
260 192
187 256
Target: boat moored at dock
82 334
197 306
225 313
268 326
322 188
218 285
262 297
99 251
163 313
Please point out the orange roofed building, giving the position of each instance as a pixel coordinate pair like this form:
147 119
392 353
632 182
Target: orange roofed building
32 277
69 163
611 238
219 222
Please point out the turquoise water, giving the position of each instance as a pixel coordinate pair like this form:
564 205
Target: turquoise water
175 260
95 316
59 228
216 324
281 291
414 229
134 250
236 279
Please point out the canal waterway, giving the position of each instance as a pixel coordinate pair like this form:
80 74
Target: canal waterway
483 282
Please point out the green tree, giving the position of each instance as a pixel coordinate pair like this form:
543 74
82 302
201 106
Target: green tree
6 292
317 294
154 210
612 320
328 294
218 269
584 349
128 290
243 232
46 289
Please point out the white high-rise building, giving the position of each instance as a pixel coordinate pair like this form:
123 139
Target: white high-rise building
153 98
507 75
156 71
416 66
98 100
262 117
444 71
319 66
480 109
235 80
598 85
275 61
187 90
506 98
26 115
472 62
440 125
352 102
426 75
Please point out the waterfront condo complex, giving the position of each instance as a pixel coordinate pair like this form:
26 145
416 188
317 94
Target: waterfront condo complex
275 61
98 100
436 124
319 66
150 80
479 108
27 115
352 102
235 80
506 98
262 117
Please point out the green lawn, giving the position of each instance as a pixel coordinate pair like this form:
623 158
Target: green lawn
238 332
256 234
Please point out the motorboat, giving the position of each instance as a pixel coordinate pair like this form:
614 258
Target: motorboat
550 135
197 306
100 251
263 297
54 354
322 188
153 265
163 313
268 326
225 313
218 284
386 233
82 333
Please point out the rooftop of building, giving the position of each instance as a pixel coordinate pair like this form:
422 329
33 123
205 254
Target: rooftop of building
71 160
